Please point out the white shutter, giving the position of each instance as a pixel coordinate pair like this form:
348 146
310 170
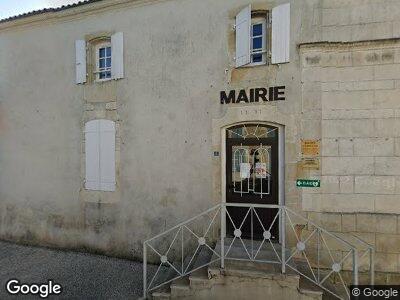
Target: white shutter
80 60
117 55
100 155
243 26
280 34
107 155
92 155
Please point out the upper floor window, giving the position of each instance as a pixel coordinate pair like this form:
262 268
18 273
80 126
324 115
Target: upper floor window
262 37
100 58
258 43
103 61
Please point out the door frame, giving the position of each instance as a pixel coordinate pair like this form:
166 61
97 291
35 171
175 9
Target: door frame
281 165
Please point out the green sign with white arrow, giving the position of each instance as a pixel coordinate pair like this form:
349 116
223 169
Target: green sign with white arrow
310 183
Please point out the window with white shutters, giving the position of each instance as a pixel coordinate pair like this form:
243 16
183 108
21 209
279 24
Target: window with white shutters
106 58
262 37
100 155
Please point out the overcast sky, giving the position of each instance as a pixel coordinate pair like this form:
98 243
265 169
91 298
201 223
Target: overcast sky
10 8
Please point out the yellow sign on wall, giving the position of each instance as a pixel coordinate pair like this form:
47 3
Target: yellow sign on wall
310 147
310 163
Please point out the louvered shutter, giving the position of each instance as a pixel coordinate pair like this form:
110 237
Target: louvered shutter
243 26
80 60
117 55
92 155
107 155
280 34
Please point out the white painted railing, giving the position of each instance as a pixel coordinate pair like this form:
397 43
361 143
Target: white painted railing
330 260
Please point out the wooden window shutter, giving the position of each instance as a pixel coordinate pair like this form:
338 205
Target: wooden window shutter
100 155
92 155
80 60
280 34
117 55
243 26
107 155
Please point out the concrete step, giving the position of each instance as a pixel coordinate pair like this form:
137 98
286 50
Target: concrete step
309 288
339 289
206 278
189 286
181 288
236 283
201 279
161 296
253 273
198 279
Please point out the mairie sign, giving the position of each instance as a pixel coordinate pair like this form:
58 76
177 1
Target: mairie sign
311 183
274 93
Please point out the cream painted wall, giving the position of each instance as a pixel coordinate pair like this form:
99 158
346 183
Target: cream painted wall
176 54
178 57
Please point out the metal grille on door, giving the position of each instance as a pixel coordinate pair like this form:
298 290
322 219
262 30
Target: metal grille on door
251 165
251 169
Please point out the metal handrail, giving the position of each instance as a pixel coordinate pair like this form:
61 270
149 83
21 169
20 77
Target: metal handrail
320 228
314 271
183 223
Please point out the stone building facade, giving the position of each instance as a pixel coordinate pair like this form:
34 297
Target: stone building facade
356 114
342 88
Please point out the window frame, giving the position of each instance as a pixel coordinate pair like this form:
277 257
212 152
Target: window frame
97 71
255 20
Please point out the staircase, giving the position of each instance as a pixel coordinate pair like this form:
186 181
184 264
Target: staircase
196 260
238 283
240 280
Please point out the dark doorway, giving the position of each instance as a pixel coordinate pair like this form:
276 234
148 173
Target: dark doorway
252 166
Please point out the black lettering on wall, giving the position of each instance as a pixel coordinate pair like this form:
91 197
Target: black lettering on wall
279 93
228 99
242 97
261 93
251 95
276 93
271 94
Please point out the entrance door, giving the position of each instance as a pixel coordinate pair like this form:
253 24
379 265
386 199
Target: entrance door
252 177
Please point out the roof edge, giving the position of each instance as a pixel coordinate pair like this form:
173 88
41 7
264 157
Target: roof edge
66 12
46 10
